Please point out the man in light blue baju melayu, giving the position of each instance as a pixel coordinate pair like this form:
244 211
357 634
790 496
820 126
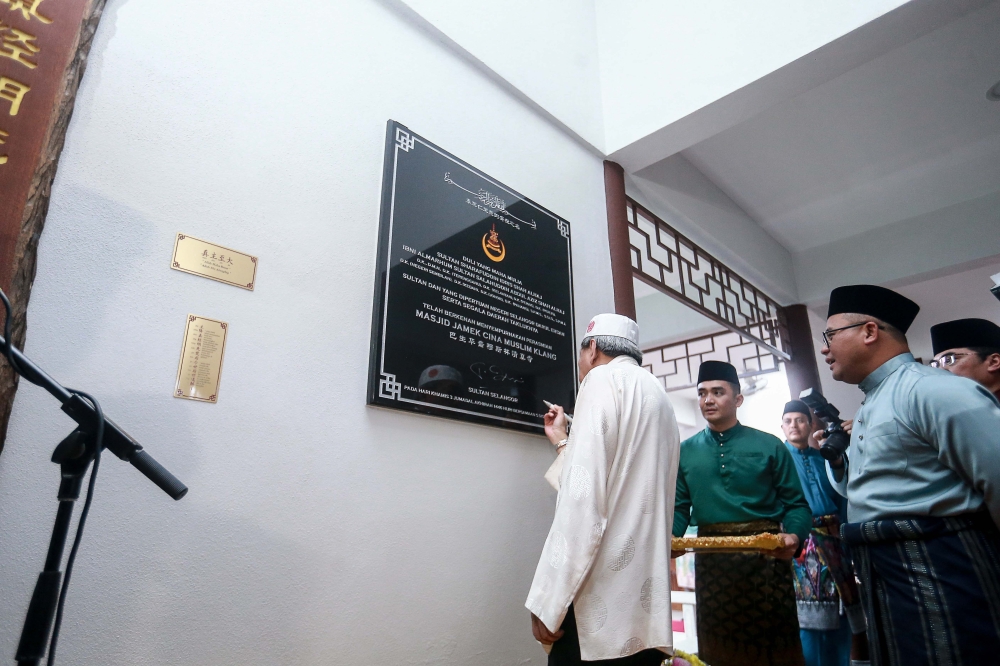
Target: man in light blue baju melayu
922 480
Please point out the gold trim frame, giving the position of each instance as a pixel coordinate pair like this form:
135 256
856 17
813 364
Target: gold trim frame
190 259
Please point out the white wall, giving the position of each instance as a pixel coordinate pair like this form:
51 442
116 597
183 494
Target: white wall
317 530
547 50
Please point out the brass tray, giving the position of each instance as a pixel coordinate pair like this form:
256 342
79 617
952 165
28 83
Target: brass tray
727 544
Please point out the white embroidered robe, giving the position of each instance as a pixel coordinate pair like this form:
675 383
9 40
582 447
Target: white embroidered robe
608 551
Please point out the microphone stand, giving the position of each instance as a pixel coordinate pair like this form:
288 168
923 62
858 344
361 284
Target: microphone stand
74 455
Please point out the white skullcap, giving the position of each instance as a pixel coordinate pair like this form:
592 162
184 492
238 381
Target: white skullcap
615 325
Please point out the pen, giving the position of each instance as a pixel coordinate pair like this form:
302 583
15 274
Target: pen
569 418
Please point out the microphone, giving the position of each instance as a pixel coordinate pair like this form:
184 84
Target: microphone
116 440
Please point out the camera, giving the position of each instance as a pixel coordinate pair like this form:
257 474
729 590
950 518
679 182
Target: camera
837 439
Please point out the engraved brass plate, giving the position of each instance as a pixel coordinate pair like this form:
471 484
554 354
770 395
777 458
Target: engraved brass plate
200 367
198 257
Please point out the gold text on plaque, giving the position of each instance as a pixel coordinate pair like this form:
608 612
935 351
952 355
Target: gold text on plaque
215 262
200 368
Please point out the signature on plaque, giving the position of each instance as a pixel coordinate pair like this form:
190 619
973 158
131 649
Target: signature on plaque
488 371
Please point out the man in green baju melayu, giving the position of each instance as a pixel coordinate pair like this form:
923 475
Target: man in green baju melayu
738 481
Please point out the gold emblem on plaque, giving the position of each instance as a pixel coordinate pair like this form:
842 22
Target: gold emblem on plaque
200 367
215 262
493 246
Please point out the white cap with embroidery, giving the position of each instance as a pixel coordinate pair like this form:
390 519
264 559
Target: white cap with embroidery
615 325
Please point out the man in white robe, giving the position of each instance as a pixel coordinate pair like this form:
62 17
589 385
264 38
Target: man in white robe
601 592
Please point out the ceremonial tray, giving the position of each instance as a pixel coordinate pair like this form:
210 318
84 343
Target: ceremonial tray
727 544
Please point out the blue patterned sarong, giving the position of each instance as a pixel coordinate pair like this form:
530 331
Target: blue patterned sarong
930 588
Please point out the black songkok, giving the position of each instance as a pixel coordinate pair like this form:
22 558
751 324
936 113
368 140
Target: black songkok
965 333
717 370
798 407
874 301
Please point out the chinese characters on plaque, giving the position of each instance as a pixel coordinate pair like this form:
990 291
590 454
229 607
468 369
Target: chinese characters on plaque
474 296
24 31
214 262
40 54
19 45
200 367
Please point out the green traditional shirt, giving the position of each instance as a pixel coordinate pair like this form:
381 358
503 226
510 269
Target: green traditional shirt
738 476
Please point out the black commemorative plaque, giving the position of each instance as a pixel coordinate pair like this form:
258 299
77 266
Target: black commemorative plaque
473 315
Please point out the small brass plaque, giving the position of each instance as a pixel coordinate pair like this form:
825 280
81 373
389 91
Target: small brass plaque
200 368
215 262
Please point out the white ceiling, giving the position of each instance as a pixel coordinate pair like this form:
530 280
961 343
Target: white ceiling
903 135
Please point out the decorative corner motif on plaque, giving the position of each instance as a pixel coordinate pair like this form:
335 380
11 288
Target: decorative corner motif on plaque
388 387
191 317
404 140
212 261
563 228
212 397
223 325
180 392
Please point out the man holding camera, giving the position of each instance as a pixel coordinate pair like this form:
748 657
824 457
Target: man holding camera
824 574
737 481
969 348
922 479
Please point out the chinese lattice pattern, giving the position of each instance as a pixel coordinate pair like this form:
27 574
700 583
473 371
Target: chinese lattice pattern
676 364
665 258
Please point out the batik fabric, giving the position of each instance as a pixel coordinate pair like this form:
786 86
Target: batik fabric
745 603
930 588
824 580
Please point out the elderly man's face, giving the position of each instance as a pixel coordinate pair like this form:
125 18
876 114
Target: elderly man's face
845 350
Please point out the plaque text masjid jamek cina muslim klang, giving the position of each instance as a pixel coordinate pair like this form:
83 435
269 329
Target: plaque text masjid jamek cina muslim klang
473 314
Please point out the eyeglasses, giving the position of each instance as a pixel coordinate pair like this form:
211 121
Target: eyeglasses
946 360
828 333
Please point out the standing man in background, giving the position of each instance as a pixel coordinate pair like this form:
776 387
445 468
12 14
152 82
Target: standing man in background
824 574
602 588
737 481
969 348
922 480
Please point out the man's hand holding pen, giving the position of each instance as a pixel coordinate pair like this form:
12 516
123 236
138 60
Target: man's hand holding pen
556 423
